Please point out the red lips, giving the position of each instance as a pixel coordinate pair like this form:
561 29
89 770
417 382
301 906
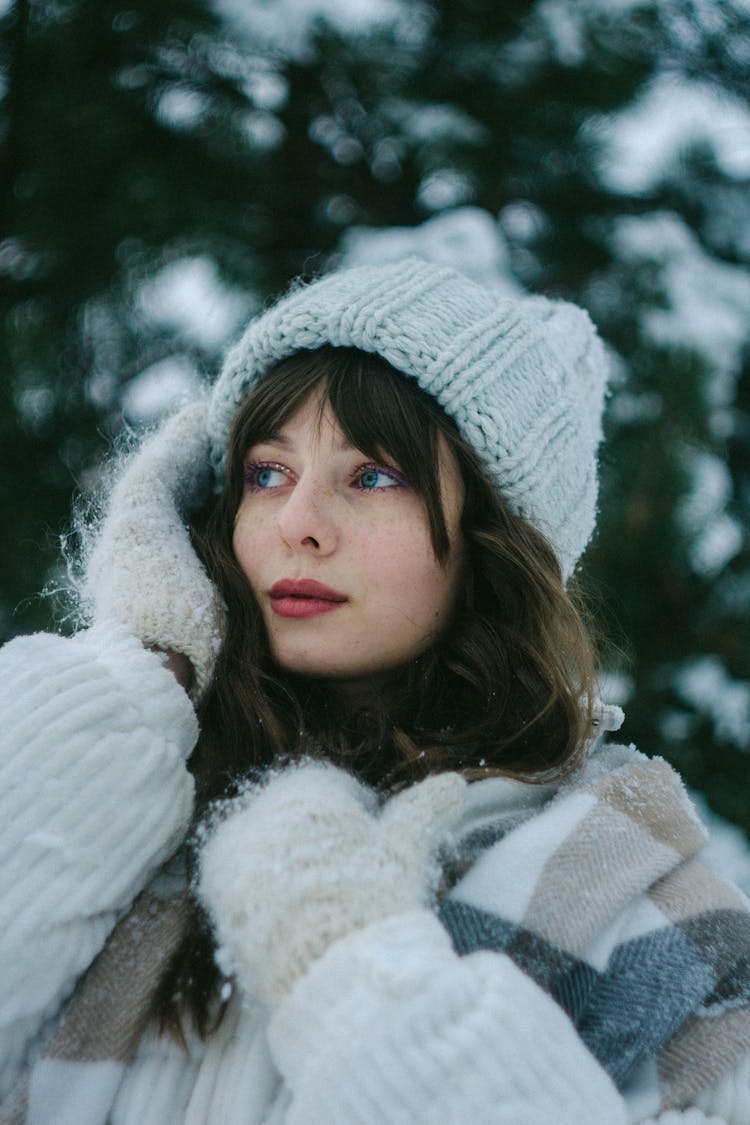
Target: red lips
303 597
305 588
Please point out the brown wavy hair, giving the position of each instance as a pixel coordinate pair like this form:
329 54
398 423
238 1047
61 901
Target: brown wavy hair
506 689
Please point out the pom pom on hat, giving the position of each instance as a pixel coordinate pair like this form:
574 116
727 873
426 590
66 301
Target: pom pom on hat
523 378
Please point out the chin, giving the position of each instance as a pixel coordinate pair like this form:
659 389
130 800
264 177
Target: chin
308 664
328 666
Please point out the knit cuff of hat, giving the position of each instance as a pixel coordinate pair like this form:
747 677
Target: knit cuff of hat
523 378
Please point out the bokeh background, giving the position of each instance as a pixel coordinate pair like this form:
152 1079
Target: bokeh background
171 164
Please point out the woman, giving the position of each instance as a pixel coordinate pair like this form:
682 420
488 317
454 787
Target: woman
420 888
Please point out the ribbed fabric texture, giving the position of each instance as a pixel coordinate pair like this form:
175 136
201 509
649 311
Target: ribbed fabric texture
514 1057
523 379
418 1010
94 797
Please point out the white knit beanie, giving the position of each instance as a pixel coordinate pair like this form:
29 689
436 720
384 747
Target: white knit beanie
523 379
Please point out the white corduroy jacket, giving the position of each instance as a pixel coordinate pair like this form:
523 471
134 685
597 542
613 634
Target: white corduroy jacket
94 799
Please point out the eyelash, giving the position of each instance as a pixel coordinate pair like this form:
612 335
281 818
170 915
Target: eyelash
399 481
252 468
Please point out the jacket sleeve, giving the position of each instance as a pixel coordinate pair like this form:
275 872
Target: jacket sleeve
94 796
390 1024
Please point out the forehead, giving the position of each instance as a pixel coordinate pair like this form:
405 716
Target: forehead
315 419
313 424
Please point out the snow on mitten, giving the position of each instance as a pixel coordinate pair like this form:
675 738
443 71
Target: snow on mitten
308 858
142 570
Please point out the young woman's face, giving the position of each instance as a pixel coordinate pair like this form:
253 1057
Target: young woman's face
338 553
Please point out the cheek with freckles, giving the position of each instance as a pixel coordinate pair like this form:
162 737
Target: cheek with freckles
408 595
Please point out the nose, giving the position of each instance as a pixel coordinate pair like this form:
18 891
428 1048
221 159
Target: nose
306 522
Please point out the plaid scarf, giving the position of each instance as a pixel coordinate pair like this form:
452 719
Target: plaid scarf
602 900
77 1077
596 893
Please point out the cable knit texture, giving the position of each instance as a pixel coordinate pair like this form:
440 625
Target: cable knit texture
522 378
142 570
309 855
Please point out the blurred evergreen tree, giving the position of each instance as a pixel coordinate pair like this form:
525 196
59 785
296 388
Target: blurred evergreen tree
139 136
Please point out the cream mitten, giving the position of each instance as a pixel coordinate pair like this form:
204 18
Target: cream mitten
308 858
142 570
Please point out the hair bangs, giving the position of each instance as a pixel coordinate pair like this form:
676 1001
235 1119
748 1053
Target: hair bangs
380 411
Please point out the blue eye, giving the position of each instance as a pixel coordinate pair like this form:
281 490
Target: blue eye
261 477
370 478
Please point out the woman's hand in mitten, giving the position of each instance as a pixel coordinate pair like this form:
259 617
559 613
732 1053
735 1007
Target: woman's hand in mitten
308 858
142 570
